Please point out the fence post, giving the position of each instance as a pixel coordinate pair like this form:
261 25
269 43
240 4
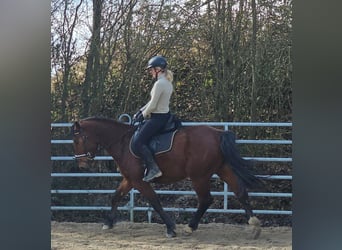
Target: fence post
131 204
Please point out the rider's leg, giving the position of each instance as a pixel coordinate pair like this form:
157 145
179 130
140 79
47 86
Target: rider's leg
150 128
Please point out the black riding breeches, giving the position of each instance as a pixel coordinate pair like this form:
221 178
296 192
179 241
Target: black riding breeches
151 127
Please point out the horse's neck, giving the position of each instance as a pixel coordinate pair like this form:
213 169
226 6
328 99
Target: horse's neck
114 134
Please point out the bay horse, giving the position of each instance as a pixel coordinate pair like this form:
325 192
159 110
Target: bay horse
198 152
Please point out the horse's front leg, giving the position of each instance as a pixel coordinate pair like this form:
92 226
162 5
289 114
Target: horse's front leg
147 191
124 187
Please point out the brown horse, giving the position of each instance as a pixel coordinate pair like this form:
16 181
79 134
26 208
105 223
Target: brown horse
198 152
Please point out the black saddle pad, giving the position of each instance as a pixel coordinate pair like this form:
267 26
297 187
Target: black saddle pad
158 144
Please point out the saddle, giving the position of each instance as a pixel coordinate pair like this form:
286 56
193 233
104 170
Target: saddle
162 142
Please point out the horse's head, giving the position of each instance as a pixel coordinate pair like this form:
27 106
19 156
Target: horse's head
85 144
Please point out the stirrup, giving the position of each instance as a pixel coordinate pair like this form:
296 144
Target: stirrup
150 177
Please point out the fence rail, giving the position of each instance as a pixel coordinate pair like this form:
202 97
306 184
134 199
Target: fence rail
130 206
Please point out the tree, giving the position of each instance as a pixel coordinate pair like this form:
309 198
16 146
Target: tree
231 59
91 82
63 52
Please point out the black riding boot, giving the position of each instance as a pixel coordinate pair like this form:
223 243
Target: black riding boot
152 169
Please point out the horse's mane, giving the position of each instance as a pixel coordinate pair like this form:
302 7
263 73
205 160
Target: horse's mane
100 119
105 120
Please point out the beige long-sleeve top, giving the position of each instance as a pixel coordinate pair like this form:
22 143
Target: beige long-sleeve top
160 97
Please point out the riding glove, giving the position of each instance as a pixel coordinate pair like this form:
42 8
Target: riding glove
138 117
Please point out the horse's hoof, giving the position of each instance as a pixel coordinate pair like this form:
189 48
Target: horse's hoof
256 232
106 227
255 223
171 234
188 230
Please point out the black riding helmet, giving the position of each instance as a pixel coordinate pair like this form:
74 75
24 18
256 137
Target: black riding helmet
157 61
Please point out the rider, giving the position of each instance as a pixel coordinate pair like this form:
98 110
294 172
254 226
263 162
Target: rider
155 113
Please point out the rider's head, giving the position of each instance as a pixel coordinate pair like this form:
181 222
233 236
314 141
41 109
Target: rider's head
156 65
157 61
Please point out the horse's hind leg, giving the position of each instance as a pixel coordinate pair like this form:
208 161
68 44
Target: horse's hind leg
202 189
239 189
124 187
242 196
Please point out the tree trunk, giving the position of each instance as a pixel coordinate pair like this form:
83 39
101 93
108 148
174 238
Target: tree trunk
253 69
91 81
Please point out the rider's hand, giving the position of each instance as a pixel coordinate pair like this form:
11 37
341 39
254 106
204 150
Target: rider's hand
138 117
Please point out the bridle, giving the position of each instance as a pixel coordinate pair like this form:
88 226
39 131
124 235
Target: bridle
88 155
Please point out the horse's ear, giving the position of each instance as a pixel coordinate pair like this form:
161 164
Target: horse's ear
76 128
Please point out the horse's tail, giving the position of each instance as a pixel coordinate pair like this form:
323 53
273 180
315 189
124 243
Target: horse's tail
239 165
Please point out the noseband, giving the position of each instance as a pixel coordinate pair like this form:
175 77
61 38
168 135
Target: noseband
88 155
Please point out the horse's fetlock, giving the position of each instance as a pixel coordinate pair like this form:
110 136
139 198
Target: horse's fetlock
254 221
193 226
